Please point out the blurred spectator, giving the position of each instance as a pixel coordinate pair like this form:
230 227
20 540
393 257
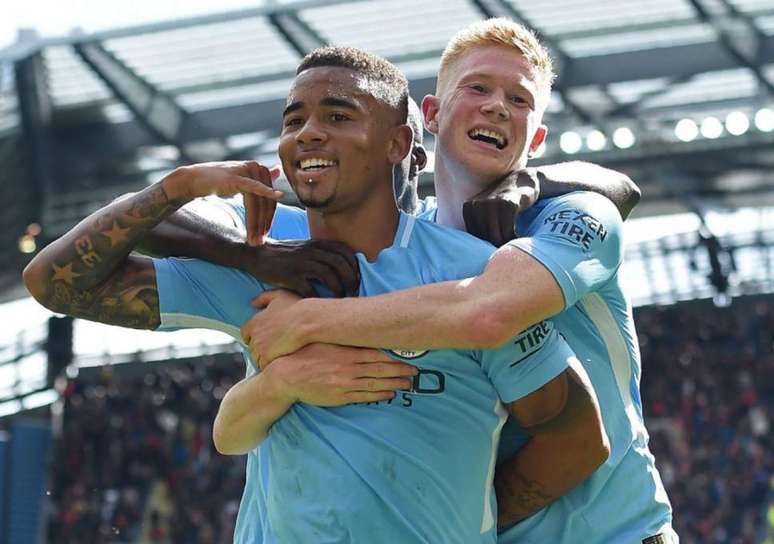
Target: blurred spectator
123 434
707 395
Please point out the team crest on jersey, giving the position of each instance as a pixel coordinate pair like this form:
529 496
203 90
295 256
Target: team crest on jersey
407 354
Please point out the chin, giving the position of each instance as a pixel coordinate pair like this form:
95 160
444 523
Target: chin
316 202
484 175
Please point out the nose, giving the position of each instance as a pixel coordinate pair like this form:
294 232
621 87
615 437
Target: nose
495 106
310 133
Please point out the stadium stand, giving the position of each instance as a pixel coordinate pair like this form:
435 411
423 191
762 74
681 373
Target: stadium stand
135 442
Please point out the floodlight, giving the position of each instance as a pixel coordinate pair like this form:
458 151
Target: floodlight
623 137
686 130
570 142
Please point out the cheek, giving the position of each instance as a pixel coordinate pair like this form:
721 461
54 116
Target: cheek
283 147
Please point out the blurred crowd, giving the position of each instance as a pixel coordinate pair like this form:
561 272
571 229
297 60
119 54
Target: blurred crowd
134 460
708 394
124 437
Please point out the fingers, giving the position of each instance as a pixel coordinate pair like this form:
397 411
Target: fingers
266 298
254 187
381 384
475 213
391 370
344 262
507 216
327 275
253 220
491 220
305 288
368 355
259 214
471 218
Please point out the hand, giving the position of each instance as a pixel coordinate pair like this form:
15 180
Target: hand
326 375
272 332
295 264
491 215
222 179
259 211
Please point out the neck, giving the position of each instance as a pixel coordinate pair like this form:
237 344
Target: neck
367 228
453 188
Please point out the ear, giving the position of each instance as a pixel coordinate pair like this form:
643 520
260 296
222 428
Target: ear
420 157
400 144
430 106
538 138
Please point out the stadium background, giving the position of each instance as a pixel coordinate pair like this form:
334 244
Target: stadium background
105 433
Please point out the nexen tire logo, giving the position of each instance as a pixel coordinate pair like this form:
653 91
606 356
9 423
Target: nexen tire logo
407 354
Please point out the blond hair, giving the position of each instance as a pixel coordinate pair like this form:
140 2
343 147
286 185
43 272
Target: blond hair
503 32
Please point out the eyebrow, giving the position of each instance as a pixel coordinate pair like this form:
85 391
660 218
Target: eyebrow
484 75
338 102
331 101
292 107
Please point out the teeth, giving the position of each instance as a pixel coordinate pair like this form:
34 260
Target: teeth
489 134
315 163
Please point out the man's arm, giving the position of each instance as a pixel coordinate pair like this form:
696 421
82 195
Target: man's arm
575 248
482 312
89 272
203 230
319 374
491 215
565 177
567 444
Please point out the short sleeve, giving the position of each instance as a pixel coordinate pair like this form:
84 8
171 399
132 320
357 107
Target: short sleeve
289 221
527 362
198 294
578 238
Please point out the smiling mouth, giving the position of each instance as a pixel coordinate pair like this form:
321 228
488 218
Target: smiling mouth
315 164
488 137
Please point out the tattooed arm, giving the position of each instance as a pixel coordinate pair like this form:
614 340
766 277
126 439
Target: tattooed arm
567 444
89 271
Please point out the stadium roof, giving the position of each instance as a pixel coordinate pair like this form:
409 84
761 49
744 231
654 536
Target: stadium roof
85 117
679 94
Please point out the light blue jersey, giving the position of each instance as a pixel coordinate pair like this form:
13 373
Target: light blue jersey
578 238
416 469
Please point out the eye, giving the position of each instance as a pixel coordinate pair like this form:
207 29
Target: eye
336 116
293 121
478 88
520 100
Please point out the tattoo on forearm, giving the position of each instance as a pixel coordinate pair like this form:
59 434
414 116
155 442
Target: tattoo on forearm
95 278
522 496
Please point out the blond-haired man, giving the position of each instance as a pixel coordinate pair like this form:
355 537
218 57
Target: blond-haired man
493 88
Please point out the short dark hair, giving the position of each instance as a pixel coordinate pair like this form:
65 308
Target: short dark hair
386 82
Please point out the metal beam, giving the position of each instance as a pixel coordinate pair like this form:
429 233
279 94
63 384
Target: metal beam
738 35
299 35
153 109
20 50
35 110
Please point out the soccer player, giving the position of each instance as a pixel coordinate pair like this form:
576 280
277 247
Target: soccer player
493 87
386 468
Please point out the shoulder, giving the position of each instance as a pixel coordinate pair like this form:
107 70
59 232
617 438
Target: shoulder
585 214
455 252
203 272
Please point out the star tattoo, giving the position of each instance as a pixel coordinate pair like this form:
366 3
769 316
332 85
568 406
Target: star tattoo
116 234
65 273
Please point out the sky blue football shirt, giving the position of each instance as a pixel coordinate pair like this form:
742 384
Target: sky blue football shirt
416 469
578 237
